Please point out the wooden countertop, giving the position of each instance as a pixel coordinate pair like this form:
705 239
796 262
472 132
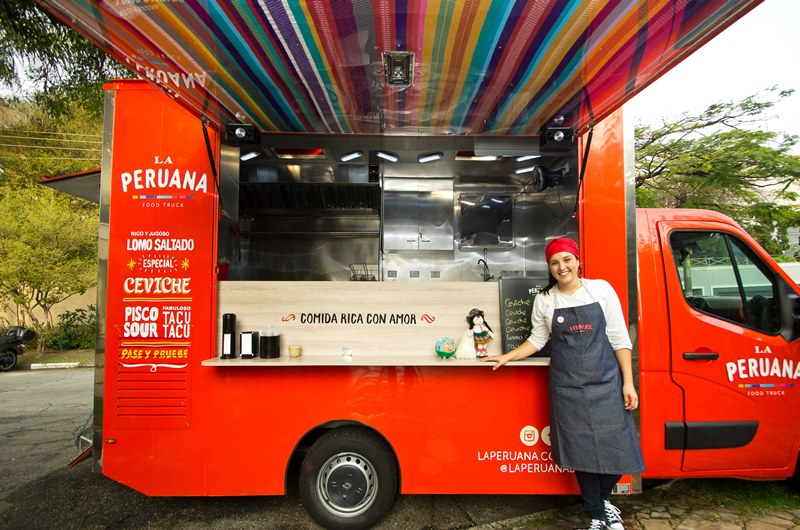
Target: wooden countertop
366 360
384 323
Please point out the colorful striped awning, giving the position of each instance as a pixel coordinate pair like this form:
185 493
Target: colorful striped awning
480 67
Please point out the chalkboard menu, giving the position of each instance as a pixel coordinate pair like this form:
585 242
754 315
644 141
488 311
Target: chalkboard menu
516 303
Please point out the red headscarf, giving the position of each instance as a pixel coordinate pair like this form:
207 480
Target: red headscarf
561 244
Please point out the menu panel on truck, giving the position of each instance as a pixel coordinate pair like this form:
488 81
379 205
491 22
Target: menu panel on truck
299 216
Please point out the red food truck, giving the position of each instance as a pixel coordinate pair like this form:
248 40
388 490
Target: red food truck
301 202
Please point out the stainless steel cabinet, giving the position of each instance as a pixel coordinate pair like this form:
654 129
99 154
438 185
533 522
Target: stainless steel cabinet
418 214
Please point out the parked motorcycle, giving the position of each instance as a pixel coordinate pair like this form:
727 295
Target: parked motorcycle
12 345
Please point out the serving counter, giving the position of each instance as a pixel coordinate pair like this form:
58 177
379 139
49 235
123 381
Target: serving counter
367 360
377 323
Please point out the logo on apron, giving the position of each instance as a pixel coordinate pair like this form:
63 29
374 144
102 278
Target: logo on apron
581 328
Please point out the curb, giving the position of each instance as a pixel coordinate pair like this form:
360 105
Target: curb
44 366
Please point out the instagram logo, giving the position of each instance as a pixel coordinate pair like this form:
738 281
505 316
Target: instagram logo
529 435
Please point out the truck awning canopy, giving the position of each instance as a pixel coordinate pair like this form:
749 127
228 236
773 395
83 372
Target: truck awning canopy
83 184
476 67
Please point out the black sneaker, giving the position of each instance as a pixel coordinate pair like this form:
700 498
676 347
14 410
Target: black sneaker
613 519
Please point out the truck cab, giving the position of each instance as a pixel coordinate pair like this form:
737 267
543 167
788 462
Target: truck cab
720 355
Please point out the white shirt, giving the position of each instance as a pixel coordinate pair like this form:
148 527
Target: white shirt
590 291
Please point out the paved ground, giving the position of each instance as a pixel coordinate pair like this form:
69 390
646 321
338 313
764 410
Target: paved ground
39 414
638 516
42 409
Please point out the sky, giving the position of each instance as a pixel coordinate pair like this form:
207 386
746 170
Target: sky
760 50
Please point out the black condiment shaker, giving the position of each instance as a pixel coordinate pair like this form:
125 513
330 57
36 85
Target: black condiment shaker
228 336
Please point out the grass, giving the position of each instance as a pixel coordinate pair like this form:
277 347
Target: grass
31 356
755 497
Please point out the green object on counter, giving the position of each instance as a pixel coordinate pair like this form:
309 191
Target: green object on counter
445 347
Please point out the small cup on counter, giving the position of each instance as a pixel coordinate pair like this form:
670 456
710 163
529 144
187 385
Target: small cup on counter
270 347
295 350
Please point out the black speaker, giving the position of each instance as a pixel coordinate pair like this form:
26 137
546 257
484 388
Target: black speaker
242 133
556 139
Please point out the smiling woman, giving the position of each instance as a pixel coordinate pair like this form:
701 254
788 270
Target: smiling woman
591 385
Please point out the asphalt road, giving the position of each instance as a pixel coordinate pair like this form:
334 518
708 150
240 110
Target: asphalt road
42 409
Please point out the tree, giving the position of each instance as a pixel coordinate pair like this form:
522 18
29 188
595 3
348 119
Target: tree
40 51
34 143
718 161
48 250
51 79
48 241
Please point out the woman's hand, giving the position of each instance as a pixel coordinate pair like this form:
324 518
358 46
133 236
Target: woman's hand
520 352
630 396
498 360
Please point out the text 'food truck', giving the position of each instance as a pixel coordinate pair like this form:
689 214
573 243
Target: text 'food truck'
301 203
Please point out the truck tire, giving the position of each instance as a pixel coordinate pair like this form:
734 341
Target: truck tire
348 479
8 360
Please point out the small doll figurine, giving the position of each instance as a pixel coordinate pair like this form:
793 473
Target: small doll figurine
482 333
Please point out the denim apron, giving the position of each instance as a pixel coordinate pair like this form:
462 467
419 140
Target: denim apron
590 429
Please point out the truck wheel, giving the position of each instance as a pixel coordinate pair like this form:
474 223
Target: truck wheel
348 479
8 360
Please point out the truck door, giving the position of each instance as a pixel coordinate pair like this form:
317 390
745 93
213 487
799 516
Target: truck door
734 351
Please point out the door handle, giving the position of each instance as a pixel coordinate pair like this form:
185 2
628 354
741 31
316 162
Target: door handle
692 356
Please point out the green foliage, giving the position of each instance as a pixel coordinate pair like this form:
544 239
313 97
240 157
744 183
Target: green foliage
39 50
34 144
740 495
52 127
718 161
48 249
75 330
48 240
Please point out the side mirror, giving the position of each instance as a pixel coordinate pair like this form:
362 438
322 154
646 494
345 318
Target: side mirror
794 311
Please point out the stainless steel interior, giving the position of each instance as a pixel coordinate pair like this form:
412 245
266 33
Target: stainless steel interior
296 212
